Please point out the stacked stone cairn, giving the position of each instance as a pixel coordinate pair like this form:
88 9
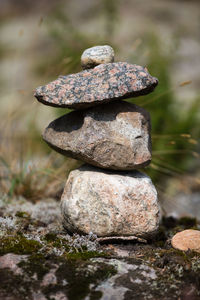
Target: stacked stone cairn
107 196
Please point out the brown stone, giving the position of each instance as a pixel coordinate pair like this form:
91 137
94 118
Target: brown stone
104 83
187 240
112 136
110 203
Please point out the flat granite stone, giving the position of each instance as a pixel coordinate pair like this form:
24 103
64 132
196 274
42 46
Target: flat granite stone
110 203
104 83
97 55
112 136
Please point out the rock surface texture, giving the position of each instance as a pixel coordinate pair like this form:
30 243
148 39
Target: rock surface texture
97 55
110 204
187 240
104 83
113 136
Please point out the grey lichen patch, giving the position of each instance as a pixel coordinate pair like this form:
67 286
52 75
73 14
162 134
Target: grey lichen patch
39 225
130 274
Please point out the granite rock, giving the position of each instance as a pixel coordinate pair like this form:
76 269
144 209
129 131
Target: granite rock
97 55
187 240
104 83
112 136
110 204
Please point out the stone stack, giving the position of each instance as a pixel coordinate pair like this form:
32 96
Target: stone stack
108 196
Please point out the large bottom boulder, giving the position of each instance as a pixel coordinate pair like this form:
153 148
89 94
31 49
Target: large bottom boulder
110 203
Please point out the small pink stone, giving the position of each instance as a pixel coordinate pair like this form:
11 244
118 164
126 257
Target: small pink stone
187 240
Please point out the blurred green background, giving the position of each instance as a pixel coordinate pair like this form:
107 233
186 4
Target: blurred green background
43 39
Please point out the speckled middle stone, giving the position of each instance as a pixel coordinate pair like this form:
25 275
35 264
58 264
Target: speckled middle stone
112 136
110 203
104 83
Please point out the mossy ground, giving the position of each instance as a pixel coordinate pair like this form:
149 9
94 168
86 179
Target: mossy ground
74 278
18 244
82 269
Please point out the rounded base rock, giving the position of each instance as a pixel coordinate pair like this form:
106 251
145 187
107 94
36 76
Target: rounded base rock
110 203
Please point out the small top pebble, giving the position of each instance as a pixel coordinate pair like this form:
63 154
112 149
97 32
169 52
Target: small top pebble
187 240
97 55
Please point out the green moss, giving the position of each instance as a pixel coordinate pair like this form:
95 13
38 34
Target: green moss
81 275
188 222
22 214
96 295
56 242
50 237
170 251
186 255
35 264
160 238
18 244
13 286
84 255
